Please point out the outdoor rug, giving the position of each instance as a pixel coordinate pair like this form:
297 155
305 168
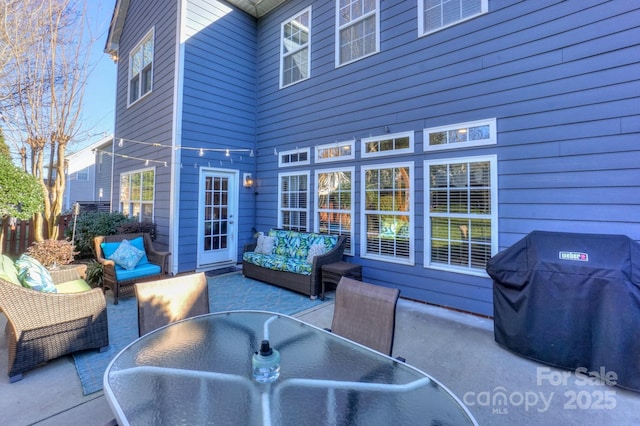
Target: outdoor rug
226 292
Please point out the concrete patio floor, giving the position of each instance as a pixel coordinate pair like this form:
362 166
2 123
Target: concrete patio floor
456 349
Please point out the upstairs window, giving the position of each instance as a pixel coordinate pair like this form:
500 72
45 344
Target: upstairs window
294 50
141 69
434 15
358 27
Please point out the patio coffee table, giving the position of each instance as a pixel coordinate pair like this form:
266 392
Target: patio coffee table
198 371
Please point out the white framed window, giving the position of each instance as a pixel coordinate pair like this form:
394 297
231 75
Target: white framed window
293 196
338 151
296 157
335 203
141 69
461 213
461 135
357 29
378 146
295 49
137 194
387 213
434 15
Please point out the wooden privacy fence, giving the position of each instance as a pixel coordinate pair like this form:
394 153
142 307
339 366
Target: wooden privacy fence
19 236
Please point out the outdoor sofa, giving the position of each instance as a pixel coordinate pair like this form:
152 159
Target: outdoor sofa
42 326
292 259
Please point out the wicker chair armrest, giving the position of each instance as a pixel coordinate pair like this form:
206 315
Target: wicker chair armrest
157 257
60 276
332 256
30 309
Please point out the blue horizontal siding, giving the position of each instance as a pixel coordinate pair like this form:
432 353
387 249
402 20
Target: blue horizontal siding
560 77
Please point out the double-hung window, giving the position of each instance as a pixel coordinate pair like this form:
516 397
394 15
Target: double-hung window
461 213
137 192
293 196
141 69
434 15
295 56
387 219
334 209
358 29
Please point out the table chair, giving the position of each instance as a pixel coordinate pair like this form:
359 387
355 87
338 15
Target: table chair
165 301
366 314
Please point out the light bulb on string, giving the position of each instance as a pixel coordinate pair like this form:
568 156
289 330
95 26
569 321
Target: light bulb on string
251 154
201 153
226 153
121 142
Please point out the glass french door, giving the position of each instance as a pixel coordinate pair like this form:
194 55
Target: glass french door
216 218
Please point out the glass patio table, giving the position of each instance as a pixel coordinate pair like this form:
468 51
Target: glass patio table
198 371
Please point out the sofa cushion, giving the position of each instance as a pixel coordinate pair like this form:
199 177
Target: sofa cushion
75 286
34 275
265 244
8 271
126 255
138 272
278 263
290 243
138 243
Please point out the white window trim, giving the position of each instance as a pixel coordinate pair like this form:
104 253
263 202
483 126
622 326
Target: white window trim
491 122
352 211
309 194
350 144
297 163
363 223
308 47
338 28
484 8
493 160
153 203
409 150
150 35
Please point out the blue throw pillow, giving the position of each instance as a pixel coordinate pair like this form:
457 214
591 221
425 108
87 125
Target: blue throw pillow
34 275
126 255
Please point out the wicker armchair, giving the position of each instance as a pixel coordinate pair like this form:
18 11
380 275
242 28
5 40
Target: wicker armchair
44 326
109 277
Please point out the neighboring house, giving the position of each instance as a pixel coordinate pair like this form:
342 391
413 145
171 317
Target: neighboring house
432 133
88 175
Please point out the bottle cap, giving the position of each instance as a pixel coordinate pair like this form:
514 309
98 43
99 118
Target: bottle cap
265 349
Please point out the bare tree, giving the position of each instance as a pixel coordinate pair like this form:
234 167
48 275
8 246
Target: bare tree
42 86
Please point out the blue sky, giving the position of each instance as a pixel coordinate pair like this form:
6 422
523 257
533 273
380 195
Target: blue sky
97 115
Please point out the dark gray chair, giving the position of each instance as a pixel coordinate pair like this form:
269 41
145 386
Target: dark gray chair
165 301
366 314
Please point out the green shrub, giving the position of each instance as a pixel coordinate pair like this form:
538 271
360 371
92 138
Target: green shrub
94 274
92 224
137 227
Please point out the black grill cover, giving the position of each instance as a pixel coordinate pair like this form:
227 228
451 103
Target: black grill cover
571 300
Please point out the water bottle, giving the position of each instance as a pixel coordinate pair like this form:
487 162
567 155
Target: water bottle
266 364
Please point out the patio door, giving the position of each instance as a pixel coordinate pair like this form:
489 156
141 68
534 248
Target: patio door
217 218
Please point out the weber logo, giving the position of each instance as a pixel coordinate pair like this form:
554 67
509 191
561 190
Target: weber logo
572 255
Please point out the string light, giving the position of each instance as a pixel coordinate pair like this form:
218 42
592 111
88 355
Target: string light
226 154
201 153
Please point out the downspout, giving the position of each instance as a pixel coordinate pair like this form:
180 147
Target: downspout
176 138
